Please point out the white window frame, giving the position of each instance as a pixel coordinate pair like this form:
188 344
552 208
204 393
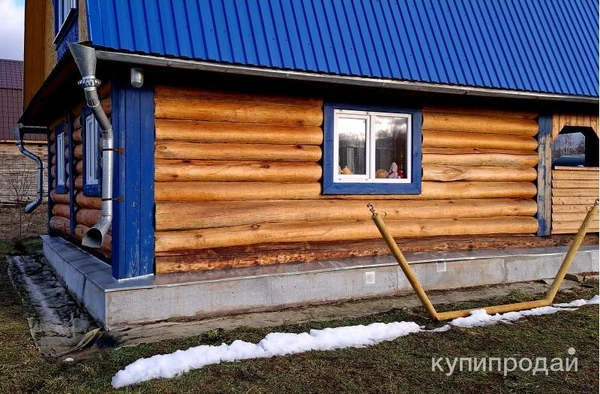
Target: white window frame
60 161
369 116
91 150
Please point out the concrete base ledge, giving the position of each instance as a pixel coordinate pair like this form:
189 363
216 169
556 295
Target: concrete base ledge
162 297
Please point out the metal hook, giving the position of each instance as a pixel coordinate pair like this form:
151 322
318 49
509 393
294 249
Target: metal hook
371 208
592 207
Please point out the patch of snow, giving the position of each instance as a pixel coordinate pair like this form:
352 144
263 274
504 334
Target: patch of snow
68 360
280 344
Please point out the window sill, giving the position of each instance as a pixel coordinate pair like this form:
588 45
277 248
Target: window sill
372 188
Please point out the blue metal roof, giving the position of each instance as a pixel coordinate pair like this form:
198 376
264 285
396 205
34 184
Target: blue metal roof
548 46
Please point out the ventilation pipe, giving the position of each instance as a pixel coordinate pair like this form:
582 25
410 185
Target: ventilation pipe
40 167
85 58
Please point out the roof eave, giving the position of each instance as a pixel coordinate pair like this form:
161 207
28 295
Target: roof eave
201 65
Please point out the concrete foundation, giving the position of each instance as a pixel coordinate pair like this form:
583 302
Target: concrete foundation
155 298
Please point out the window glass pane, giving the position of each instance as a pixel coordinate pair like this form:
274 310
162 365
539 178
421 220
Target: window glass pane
352 134
91 150
391 147
60 154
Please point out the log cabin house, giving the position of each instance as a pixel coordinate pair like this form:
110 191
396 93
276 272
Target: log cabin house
250 135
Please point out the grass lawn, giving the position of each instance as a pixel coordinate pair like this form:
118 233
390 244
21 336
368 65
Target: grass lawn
400 366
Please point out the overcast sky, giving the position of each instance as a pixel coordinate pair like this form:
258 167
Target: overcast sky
12 21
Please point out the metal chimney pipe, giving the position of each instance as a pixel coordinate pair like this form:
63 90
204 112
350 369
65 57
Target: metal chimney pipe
85 58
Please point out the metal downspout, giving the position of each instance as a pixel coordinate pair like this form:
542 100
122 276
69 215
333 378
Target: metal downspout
40 169
85 58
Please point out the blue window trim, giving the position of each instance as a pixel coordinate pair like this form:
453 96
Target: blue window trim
60 189
331 187
96 189
71 178
61 29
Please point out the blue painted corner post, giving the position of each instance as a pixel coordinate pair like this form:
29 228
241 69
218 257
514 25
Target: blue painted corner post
544 182
133 222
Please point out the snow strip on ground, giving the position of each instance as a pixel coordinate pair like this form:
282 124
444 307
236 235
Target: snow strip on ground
280 344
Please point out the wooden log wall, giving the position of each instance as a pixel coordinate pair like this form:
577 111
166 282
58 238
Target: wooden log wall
574 190
87 209
235 170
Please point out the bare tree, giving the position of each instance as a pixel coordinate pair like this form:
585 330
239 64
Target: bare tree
18 190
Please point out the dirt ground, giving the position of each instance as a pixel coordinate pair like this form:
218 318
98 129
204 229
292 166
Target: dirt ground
16 225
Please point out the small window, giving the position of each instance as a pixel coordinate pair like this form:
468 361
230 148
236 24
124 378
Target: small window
62 10
372 151
61 171
91 156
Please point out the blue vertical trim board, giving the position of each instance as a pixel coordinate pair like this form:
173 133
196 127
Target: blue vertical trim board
133 222
68 32
544 183
49 167
60 189
71 176
331 187
90 190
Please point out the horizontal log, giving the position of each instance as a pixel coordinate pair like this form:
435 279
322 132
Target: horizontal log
81 230
79 167
575 175
575 192
587 200
495 160
104 90
440 139
78 151
79 182
53 160
212 132
244 112
479 124
448 173
178 92
217 171
209 214
223 191
290 252
61 210
77 136
480 111
88 217
59 198
187 150
569 208
457 190
571 217
52 136
84 201
571 227
106 106
574 184
52 149
473 151
60 224
77 120
569 168
337 231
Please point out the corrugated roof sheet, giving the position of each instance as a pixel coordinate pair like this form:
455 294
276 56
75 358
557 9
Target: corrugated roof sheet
11 74
548 46
11 96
